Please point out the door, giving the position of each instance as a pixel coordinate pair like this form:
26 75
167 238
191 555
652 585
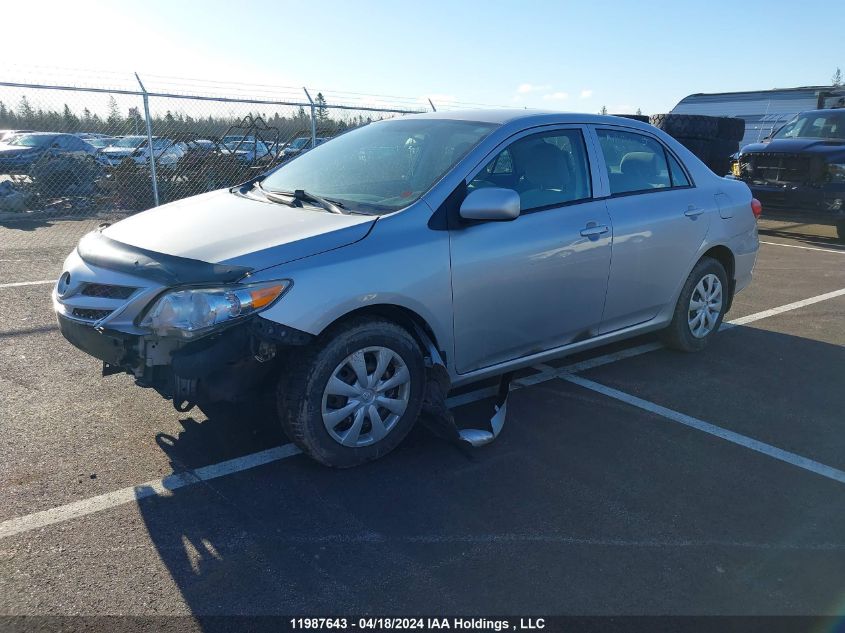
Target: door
660 220
539 281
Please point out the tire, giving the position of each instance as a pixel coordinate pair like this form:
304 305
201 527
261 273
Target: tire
691 126
720 155
702 149
636 117
679 335
302 398
730 128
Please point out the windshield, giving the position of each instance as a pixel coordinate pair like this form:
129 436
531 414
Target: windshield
99 142
821 125
299 143
129 141
32 140
382 166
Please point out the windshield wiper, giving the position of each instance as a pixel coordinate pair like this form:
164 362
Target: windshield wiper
300 195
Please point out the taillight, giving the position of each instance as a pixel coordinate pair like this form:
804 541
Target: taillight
756 208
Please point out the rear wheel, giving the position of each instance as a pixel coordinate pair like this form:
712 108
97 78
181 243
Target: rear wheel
354 394
700 308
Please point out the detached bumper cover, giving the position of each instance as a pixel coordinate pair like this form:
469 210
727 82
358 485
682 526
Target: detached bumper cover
111 347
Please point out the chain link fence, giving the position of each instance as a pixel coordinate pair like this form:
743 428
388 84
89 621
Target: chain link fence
73 157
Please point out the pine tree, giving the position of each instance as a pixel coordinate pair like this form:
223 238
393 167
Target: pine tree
322 111
837 77
25 112
114 119
639 112
69 120
603 110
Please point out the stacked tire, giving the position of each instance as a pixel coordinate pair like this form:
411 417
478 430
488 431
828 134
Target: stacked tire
713 139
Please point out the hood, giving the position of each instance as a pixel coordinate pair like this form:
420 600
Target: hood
225 228
815 146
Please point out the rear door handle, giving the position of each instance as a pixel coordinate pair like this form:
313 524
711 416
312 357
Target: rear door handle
693 212
592 229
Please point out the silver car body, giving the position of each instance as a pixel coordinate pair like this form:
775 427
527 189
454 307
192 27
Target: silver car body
496 296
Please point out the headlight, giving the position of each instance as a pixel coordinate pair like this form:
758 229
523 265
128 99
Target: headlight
193 312
836 171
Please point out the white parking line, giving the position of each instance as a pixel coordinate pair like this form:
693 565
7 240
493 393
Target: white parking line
700 425
158 487
786 308
180 480
18 284
806 248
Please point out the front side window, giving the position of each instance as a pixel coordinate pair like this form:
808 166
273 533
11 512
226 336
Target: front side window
634 162
546 170
383 166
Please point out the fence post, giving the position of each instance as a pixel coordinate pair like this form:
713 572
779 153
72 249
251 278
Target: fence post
313 118
149 140
431 103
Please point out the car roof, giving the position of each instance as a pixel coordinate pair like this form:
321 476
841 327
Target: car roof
528 118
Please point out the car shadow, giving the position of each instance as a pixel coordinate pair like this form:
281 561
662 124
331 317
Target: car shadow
802 227
575 494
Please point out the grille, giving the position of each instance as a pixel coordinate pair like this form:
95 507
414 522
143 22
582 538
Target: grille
107 291
90 315
783 168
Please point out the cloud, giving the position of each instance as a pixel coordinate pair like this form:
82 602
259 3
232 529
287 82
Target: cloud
586 93
556 96
526 88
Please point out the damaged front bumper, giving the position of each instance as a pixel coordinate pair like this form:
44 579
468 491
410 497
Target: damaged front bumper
105 289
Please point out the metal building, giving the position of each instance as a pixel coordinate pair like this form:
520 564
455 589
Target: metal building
763 110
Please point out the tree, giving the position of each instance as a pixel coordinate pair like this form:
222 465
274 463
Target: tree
69 119
837 77
603 110
114 119
639 112
25 110
322 111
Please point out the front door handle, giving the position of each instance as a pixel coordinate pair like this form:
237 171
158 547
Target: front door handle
592 229
693 211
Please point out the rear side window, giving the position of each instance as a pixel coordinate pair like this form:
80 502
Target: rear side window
635 162
547 170
679 178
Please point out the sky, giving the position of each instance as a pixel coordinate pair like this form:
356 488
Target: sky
575 56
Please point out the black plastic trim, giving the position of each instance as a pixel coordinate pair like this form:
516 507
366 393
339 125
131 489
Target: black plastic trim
98 250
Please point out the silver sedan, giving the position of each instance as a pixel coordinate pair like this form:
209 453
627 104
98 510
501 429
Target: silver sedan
410 256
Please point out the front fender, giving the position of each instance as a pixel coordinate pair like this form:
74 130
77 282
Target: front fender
402 262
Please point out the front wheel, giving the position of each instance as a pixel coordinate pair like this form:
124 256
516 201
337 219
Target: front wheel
700 308
354 394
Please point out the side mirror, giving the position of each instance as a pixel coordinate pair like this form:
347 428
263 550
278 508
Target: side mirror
493 203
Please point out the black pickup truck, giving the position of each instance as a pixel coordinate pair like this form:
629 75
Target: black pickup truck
800 167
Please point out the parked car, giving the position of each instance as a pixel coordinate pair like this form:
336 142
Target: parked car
101 142
801 166
298 145
246 151
407 257
23 150
167 152
6 135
